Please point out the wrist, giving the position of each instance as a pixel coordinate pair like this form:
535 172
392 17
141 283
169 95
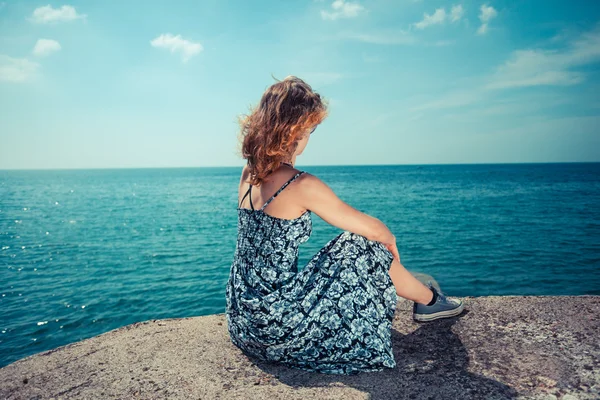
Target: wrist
384 235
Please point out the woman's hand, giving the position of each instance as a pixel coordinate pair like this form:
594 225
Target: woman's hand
391 246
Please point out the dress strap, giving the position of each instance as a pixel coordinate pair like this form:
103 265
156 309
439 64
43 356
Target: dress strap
248 192
281 188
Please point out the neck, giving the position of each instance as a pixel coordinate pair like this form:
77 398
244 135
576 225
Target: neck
292 162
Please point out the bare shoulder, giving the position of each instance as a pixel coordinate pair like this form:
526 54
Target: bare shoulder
312 189
310 181
314 194
245 174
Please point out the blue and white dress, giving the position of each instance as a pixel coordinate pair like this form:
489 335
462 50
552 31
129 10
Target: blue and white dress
334 316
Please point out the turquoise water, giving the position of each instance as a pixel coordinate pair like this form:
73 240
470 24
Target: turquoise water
86 251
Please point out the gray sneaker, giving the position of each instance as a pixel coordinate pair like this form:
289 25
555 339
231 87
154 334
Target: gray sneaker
442 308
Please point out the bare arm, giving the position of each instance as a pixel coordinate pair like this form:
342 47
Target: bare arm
320 199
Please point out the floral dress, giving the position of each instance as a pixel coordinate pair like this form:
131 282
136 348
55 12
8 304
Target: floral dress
334 316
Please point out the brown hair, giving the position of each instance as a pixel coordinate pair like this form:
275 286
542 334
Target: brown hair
269 135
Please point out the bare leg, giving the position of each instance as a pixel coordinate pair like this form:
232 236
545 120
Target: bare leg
408 286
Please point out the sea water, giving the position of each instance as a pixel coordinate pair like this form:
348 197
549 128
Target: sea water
86 251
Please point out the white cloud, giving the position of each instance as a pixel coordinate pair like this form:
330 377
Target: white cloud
533 68
342 9
486 14
456 13
47 14
44 47
527 68
16 69
536 67
176 44
438 17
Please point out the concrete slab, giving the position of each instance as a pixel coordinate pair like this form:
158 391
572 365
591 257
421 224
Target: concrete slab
502 347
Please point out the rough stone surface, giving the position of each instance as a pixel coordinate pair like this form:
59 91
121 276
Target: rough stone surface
526 347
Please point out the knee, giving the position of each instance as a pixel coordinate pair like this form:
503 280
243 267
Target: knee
353 236
360 238
364 242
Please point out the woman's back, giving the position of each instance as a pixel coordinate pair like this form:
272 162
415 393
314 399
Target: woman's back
267 246
284 207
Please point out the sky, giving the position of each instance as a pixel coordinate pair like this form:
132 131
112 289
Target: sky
131 84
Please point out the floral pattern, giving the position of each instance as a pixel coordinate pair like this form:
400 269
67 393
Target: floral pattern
334 316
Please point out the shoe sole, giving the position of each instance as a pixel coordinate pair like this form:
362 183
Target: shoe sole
440 314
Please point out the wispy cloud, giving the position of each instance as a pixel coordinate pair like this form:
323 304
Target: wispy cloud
456 13
528 68
441 43
47 14
535 67
342 9
390 38
45 47
176 44
16 69
371 59
451 100
486 14
387 37
438 17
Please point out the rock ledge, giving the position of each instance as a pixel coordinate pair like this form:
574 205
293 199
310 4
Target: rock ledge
502 347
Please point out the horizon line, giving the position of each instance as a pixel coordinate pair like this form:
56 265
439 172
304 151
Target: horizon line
304 165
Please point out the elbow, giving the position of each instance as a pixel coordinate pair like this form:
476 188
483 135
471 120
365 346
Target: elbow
378 231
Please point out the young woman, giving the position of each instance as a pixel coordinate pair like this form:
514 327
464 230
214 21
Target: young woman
335 315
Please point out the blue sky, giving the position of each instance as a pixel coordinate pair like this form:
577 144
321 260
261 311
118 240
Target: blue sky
110 84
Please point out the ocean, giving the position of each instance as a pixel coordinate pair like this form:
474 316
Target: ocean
83 252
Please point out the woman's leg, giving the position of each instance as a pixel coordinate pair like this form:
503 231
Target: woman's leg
408 286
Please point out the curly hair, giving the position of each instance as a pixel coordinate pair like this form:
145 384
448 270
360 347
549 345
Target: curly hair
269 135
